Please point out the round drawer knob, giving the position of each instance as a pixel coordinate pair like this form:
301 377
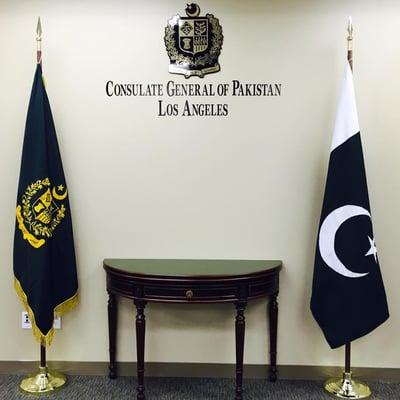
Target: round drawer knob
189 294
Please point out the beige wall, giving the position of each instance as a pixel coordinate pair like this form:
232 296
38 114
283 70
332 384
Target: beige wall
246 186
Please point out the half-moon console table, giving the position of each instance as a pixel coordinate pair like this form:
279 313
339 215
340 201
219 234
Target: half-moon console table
192 282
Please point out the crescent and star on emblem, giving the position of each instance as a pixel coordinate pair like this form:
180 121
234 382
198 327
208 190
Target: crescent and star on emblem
60 195
192 10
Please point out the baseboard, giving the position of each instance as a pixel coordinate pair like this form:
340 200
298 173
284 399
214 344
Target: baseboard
300 372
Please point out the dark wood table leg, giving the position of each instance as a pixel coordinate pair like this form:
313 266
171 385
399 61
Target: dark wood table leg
140 340
273 335
240 326
112 333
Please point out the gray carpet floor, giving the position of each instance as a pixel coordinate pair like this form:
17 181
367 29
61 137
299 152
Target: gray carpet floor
101 388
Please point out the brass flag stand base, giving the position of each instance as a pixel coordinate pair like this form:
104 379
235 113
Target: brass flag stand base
46 381
347 388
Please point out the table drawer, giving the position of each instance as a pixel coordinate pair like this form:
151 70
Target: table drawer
190 293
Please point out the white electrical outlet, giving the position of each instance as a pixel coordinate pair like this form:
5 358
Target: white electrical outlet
26 323
57 322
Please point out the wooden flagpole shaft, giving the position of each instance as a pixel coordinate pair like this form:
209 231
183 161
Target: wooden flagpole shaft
350 58
42 356
350 52
347 363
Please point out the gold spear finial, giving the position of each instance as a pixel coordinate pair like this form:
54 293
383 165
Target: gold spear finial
350 42
350 29
39 29
39 41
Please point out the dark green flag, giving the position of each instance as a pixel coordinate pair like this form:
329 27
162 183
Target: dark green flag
44 256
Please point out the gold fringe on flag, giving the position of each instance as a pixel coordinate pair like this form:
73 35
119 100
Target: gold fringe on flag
59 310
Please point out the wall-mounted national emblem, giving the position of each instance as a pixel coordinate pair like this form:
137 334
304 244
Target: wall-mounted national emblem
193 43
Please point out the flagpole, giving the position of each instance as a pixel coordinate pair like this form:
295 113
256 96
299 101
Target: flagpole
347 387
46 381
43 356
347 363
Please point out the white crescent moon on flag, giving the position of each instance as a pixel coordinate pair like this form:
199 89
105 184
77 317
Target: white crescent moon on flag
327 235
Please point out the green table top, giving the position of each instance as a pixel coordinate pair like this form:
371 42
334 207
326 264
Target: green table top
191 267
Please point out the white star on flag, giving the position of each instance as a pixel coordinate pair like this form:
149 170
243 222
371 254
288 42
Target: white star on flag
372 250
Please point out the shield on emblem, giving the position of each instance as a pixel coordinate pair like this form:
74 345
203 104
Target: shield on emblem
193 35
